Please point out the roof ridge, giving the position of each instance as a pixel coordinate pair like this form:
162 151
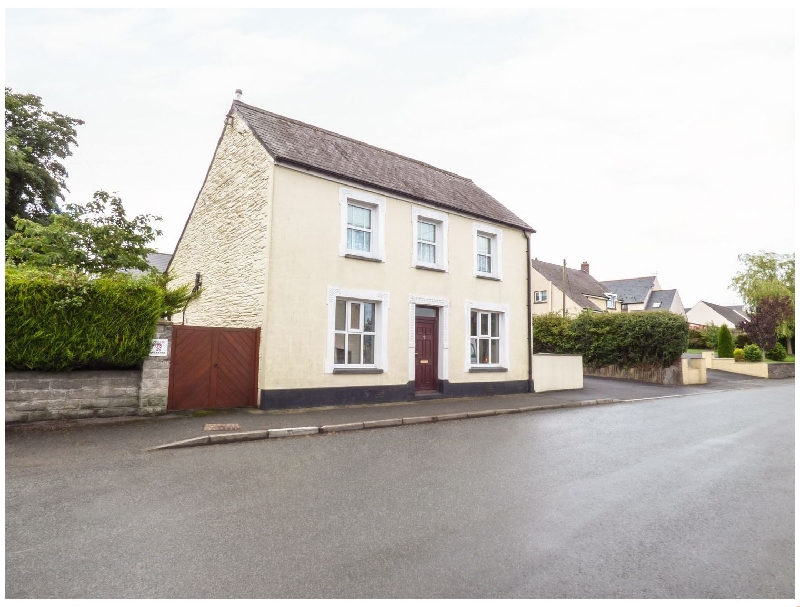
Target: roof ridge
634 278
358 141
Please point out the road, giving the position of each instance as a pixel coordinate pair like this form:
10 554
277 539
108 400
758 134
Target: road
687 497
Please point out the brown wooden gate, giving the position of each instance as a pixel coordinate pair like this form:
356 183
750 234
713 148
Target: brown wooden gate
213 368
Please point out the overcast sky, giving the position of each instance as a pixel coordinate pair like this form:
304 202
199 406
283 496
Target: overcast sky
641 141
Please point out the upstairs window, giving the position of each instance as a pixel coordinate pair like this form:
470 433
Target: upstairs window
426 242
429 245
362 223
539 296
487 254
359 228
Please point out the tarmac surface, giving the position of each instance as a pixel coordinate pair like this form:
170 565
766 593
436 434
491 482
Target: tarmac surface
149 432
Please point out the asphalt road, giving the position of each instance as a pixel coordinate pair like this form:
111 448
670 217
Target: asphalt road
686 497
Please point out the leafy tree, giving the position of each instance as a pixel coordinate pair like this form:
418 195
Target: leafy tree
36 143
770 312
725 343
767 274
96 238
764 274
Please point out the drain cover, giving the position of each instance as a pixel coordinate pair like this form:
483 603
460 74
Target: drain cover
214 427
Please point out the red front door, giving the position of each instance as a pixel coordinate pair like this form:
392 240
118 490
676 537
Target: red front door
426 376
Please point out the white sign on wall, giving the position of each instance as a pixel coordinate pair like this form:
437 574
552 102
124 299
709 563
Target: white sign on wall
159 347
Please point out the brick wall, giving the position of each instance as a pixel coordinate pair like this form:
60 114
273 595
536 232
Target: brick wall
38 395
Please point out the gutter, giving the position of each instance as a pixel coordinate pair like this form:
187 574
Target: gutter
527 237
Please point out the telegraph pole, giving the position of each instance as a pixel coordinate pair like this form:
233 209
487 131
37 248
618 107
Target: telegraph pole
564 291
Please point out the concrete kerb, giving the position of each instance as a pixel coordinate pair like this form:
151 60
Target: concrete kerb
234 437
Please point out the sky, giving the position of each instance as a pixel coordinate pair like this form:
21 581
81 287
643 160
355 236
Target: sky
643 142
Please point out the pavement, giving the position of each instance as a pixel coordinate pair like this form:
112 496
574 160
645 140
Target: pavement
188 429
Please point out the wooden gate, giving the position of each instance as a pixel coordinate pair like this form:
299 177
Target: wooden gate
213 368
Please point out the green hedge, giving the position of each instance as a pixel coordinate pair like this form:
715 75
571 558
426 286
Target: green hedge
60 320
628 340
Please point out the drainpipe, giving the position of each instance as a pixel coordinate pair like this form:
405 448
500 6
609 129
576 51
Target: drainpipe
530 313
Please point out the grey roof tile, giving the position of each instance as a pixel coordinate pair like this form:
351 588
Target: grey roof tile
663 298
579 283
727 313
630 290
304 145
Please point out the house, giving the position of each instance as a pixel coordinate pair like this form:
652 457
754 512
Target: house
159 261
582 292
364 275
703 313
645 293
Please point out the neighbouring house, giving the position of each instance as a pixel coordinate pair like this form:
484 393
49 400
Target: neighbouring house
359 274
703 313
159 261
645 293
582 292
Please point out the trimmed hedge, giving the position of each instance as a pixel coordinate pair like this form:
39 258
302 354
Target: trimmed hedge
628 340
60 320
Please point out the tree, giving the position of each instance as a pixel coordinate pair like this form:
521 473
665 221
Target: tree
96 238
36 142
767 275
725 343
770 312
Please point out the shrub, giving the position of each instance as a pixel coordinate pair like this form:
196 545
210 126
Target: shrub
738 355
777 353
59 320
711 335
752 353
741 340
725 343
696 340
628 340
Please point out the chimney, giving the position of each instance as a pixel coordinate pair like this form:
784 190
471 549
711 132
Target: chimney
585 267
238 94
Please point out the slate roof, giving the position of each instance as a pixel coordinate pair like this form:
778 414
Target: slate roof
630 290
159 261
306 146
579 283
727 313
664 297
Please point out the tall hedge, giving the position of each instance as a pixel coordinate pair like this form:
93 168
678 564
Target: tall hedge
628 340
725 343
60 320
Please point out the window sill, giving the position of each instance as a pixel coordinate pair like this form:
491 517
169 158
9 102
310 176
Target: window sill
488 370
485 277
362 257
431 269
337 371
539 302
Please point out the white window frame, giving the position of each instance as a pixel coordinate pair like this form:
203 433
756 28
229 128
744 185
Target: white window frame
504 320
540 296
441 222
496 236
611 303
381 301
377 206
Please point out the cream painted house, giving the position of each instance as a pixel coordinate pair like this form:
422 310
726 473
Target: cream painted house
582 291
703 313
372 277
